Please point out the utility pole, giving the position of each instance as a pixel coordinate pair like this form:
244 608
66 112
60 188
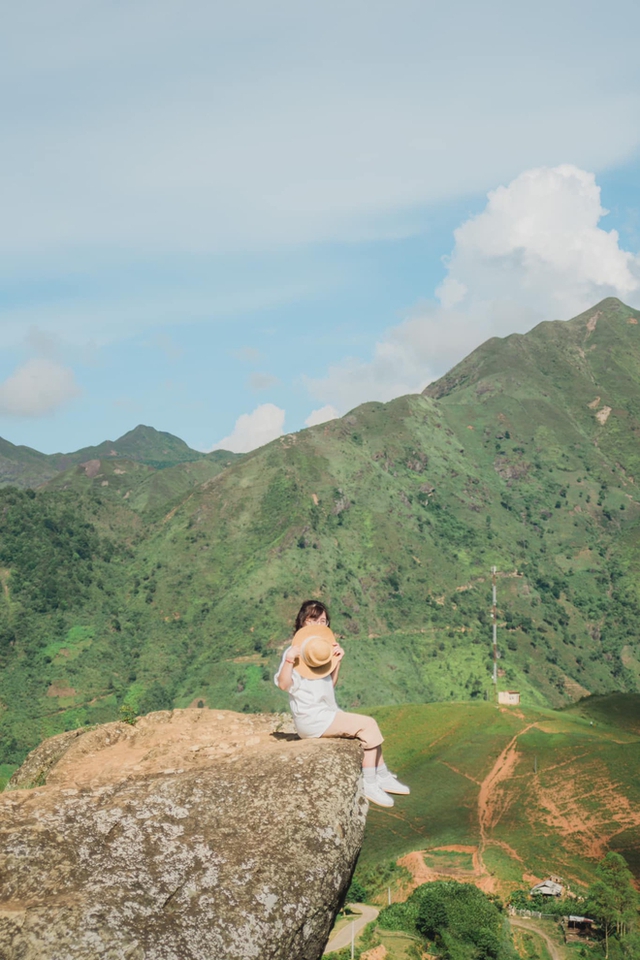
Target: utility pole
494 618
389 895
353 938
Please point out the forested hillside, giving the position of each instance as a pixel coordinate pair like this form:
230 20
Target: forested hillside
125 584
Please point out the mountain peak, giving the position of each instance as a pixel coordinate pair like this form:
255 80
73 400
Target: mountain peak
560 354
144 436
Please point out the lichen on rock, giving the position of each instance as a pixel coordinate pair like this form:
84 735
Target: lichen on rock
193 835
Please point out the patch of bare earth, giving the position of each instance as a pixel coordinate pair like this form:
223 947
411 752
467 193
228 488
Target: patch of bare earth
586 808
592 321
493 799
91 468
422 873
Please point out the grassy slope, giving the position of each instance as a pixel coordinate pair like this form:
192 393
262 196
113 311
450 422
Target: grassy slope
394 515
145 489
23 466
572 792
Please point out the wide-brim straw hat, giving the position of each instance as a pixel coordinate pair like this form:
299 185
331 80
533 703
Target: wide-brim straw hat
317 647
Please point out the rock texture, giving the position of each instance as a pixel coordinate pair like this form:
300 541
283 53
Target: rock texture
193 835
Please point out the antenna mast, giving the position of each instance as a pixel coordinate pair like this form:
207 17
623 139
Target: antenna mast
494 618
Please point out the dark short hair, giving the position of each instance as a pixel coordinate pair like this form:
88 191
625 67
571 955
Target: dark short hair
311 610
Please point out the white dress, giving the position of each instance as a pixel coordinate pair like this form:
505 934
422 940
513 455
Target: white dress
312 702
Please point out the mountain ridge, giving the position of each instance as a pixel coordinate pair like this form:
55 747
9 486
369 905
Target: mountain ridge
393 514
26 467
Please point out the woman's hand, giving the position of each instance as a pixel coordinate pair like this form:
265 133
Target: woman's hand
338 654
286 670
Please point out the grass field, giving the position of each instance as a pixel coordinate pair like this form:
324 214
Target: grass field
520 794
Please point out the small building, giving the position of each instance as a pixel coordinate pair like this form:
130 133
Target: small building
577 928
548 888
580 923
510 698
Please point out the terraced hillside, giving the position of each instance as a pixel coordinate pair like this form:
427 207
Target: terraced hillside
393 514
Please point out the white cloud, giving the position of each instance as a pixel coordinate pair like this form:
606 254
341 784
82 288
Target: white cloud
538 242
536 252
321 415
37 388
254 429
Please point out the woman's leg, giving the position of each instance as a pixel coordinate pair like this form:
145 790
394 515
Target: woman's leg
355 726
372 757
365 729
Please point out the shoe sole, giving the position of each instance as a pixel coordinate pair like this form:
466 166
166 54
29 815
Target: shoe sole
400 789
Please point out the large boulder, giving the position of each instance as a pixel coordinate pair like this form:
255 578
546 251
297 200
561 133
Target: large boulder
193 835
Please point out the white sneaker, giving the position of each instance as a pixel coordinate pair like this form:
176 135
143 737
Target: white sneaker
391 784
374 792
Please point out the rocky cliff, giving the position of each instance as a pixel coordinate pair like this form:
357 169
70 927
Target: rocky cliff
192 835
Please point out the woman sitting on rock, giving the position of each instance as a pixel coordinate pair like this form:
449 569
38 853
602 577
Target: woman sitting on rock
308 673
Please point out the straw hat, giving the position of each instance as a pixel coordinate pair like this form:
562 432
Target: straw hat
317 643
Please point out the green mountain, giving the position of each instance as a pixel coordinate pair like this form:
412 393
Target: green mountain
23 467
143 444
522 457
143 487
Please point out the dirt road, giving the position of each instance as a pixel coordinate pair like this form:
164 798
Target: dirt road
343 937
525 923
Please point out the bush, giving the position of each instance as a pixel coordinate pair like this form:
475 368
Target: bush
462 922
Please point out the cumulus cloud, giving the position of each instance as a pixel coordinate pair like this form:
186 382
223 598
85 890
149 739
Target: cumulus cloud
254 429
321 415
37 388
538 242
536 252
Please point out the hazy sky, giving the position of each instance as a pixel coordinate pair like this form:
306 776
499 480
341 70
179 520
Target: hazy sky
227 220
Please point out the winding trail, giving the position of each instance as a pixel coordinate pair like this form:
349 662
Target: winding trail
525 924
343 937
489 799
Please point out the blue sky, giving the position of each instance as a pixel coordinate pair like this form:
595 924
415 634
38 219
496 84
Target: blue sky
228 220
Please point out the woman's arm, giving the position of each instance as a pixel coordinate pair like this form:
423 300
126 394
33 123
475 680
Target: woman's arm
338 653
285 675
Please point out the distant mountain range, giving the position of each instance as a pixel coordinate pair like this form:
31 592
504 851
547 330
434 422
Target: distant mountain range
24 467
155 575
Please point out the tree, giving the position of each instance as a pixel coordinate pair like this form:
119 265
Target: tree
612 898
356 892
